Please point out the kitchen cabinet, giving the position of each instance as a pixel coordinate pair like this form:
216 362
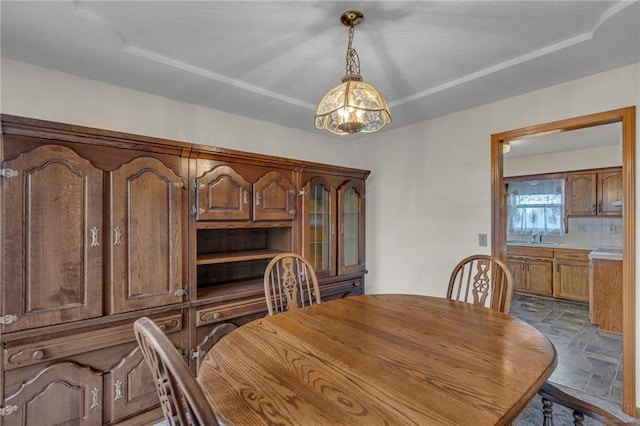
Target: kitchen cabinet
532 269
592 193
544 270
571 277
606 294
610 193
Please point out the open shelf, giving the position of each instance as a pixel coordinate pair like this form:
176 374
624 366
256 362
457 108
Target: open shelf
237 256
230 290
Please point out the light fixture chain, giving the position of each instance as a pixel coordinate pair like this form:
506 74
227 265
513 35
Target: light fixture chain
353 60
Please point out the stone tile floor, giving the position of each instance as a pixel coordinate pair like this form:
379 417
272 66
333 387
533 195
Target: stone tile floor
588 360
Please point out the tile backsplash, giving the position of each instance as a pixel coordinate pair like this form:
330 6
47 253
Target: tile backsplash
588 232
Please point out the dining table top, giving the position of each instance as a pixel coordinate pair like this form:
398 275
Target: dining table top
378 359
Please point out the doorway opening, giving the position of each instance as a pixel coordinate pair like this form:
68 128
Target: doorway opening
625 116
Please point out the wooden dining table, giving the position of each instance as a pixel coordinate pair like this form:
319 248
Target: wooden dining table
378 359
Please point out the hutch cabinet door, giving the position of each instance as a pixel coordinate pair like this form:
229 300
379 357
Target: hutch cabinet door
274 198
61 394
129 387
351 227
52 219
580 194
146 236
319 216
222 194
610 193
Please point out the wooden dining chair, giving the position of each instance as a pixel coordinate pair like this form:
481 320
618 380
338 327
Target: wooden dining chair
290 282
580 409
181 397
480 279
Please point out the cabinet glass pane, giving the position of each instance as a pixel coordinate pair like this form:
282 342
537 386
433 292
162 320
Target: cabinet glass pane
351 228
319 227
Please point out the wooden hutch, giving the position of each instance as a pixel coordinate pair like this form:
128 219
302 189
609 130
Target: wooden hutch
100 228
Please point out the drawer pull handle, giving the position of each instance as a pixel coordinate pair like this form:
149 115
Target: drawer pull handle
39 354
216 315
95 398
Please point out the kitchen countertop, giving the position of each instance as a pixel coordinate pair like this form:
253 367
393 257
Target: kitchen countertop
604 253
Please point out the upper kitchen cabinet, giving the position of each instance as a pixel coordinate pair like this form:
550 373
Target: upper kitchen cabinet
597 192
52 201
233 192
610 193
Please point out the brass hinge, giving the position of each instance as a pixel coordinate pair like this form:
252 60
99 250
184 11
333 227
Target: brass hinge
180 292
197 354
301 193
181 184
8 319
9 173
9 409
198 210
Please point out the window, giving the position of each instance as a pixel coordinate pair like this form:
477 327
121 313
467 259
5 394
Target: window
536 207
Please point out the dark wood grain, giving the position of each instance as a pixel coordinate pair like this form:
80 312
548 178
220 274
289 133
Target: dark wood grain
378 359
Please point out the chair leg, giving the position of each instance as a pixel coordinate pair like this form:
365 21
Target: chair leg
547 412
578 418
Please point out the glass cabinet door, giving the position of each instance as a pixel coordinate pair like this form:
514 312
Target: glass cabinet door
351 227
319 245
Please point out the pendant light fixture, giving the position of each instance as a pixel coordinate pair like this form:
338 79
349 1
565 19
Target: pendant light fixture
353 106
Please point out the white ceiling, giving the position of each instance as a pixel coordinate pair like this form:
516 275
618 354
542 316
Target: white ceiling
274 61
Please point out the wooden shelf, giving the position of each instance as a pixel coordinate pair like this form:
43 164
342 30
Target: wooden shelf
236 256
230 291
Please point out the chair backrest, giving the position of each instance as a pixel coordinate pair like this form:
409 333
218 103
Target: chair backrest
290 283
479 278
181 397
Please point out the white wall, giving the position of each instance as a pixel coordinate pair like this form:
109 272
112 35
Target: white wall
429 194
591 158
36 92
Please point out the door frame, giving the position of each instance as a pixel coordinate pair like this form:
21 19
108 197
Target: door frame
626 116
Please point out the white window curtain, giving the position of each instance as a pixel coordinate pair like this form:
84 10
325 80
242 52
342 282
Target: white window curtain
536 207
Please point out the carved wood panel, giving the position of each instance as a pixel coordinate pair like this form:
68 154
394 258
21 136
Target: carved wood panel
274 198
145 235
61 394
223 194
53 238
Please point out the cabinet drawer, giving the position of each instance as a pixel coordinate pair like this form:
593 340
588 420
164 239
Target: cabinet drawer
225 312
541 252
341 289
32 353
572 255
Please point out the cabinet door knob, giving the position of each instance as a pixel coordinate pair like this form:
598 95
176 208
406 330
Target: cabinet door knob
39 354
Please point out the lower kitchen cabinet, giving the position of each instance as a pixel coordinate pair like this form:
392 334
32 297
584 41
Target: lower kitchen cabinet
561 273
571 279
532 269
606 294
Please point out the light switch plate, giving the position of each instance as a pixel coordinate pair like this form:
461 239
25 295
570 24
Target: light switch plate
482 240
